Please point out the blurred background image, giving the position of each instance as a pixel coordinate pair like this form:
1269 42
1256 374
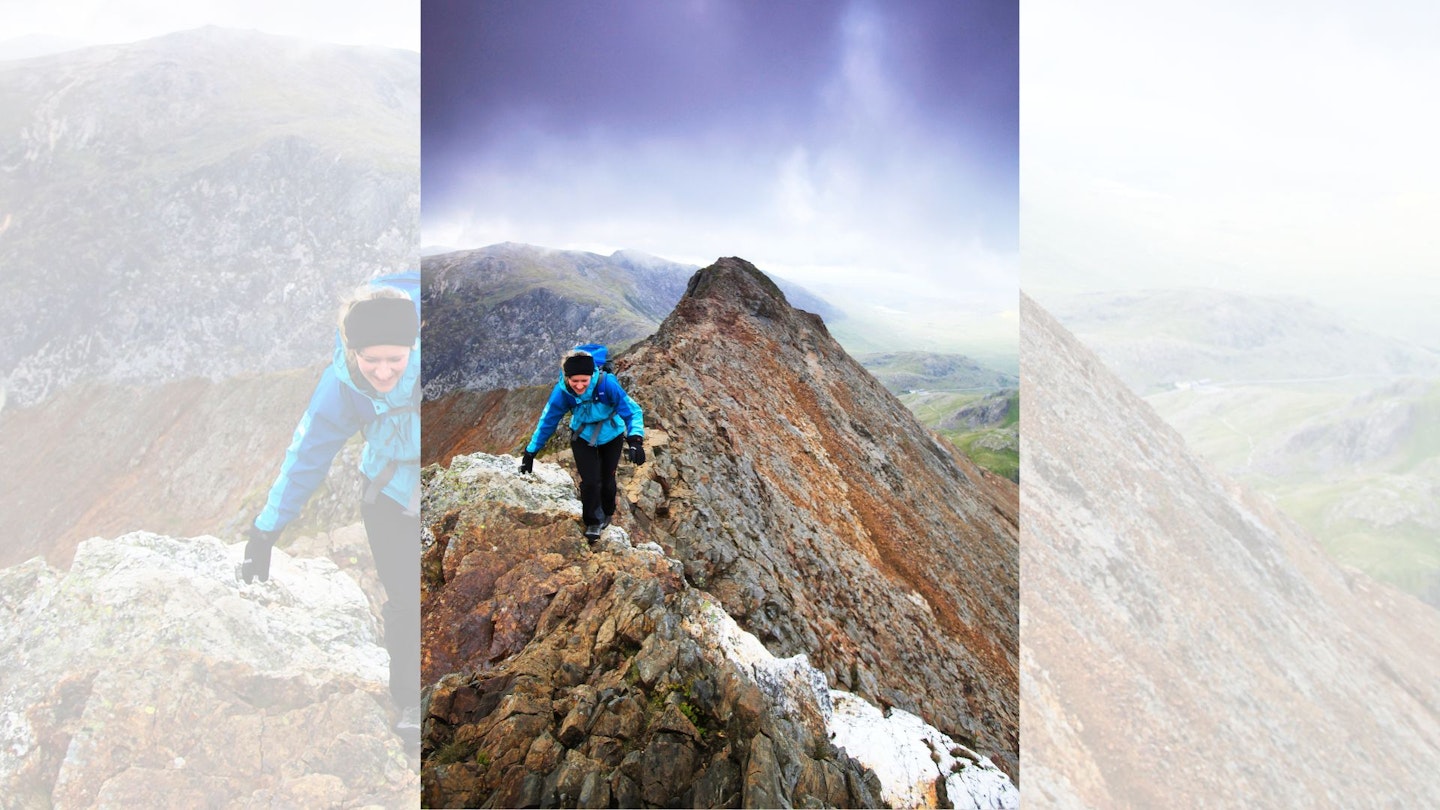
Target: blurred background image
190 193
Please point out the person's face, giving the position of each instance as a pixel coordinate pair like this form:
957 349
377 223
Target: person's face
382 366
578 383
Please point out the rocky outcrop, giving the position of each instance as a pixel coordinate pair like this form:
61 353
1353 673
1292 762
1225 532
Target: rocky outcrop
1176 624
463 422
147 676
821 515
571 676
989 411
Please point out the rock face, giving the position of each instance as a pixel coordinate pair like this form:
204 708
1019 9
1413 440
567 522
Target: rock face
570 676
197 204
821 515
1177 625
146 676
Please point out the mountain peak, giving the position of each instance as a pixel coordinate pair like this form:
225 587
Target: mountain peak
733 291
778 460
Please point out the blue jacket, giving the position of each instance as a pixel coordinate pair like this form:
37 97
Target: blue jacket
339 409
601 414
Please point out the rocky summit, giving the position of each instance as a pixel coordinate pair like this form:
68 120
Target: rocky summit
566 675
821 514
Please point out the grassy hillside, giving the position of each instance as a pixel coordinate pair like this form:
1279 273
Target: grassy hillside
1358 467
991 438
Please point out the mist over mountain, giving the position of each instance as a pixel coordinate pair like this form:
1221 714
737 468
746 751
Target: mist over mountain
1177 624
197 204
1329 420
1154 339
785 492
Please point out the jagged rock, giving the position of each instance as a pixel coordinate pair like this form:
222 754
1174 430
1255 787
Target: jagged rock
146 675
917 765
676 699
822 515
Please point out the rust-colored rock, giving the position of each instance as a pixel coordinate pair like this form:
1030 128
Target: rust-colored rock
822 514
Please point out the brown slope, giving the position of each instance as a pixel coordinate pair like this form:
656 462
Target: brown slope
462 422
184 458
1184 644
823 515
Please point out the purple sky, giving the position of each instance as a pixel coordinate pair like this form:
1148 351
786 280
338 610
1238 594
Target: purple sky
867 150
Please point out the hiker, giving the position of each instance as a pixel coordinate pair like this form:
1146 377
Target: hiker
605 420
372 386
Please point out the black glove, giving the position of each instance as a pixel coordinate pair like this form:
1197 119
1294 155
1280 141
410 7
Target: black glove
257 555
636 451
527 462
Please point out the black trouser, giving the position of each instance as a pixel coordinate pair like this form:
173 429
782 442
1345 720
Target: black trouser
596 466
395 543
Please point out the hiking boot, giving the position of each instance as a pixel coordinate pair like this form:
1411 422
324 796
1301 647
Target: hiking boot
592 531
605 523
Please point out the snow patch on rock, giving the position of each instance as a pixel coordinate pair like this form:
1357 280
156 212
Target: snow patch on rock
912 758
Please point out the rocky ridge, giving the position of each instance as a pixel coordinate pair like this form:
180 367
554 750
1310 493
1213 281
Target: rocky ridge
147 676
824 518
1175 624
565 675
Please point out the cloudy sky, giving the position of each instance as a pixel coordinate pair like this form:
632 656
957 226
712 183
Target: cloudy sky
864 149
1270 148
95 22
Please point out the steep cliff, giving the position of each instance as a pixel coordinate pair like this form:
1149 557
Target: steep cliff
821 514
496 421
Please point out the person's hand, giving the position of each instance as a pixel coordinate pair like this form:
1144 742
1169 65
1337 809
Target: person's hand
636 450
257 555
527 463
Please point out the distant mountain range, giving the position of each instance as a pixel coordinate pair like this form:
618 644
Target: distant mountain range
501 316
1332 421
1155 339
197 204
909 371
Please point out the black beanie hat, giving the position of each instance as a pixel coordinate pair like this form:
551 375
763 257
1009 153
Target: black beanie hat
381 322
579 364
